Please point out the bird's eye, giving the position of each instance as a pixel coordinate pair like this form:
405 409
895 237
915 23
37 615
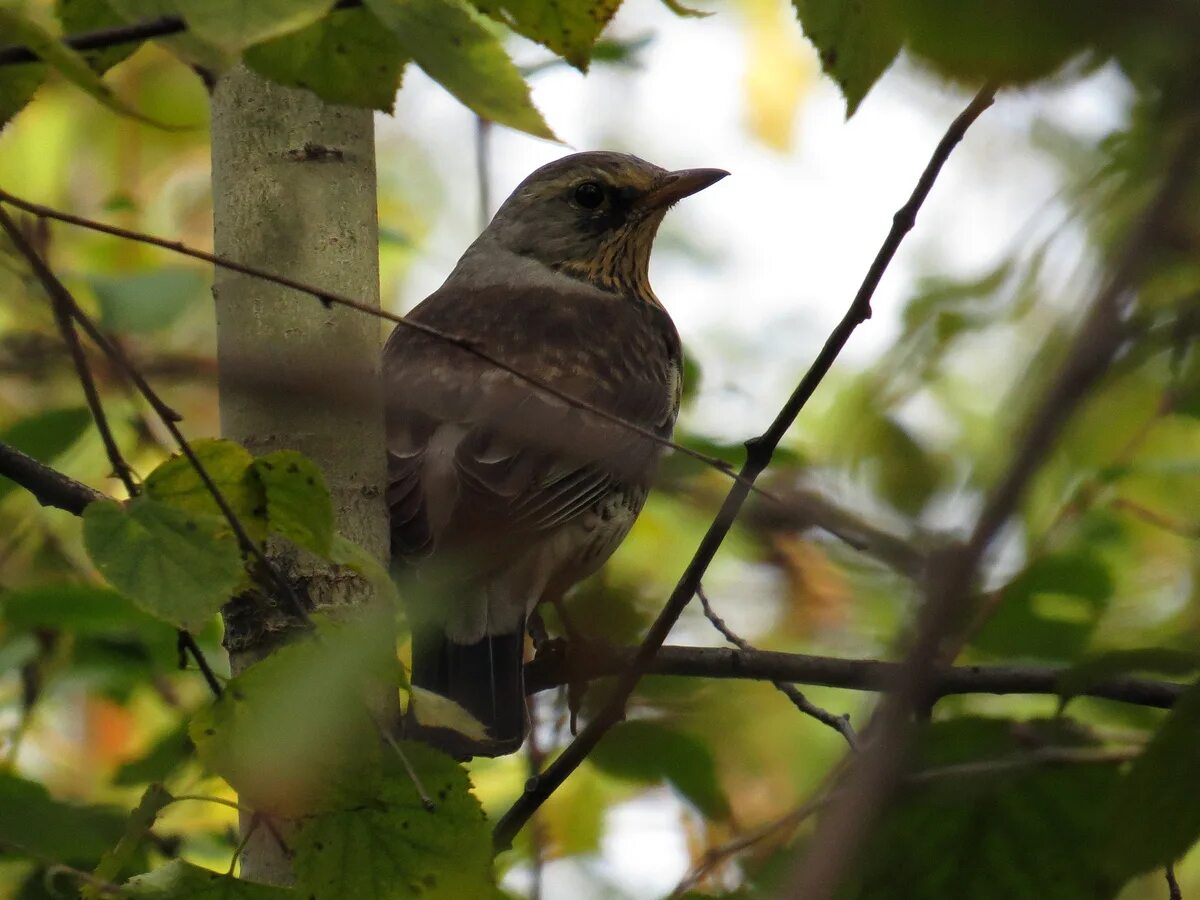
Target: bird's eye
589 195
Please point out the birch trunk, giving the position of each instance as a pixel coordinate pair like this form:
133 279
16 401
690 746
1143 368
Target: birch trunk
294 193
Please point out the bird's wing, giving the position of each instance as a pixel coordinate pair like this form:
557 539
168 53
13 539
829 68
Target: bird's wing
477 455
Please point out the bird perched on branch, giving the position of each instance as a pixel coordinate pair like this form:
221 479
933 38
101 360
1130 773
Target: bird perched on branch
503 496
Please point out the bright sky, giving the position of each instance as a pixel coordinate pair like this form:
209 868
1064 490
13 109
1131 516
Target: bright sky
790 236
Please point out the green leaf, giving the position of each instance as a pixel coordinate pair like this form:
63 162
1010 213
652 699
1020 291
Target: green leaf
67 61
78 16
45 436
141 820
856 41
81 609
230 466
380 841
36 823
1155 818
177 880
651 752
144 302
568 28
347 58
1050 610
287 725
298 502
1011 41
448 41
1025 830
1116 663
178 566
235 25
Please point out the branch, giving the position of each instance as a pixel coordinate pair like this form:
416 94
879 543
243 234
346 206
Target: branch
170 419
758 455
163 26
873 775
61 304
546 672
331 297
49 486
840 724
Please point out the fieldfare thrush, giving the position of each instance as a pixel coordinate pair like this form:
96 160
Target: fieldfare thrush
503 496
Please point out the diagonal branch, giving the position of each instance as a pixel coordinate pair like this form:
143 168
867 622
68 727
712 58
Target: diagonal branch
874 774
840 724
758 456
332 297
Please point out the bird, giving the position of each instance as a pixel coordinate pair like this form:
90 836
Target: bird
502 495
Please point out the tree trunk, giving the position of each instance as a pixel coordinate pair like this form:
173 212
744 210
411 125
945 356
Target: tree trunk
294 193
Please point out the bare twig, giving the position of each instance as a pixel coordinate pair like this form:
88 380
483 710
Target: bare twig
187 644
543 674
162 26
1173 890
53 488
874 773
840 724
758 455
331 297
49 486
169 417
66 326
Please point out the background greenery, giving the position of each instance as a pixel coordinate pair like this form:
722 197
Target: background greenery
1103 557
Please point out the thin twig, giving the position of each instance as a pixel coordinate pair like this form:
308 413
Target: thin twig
169 417
758 456
390 740
840 724
874 774
66 327
162 26
187 644
255 821
330 297
1173 890
536 758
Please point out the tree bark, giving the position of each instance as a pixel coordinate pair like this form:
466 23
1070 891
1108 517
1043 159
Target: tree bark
294 192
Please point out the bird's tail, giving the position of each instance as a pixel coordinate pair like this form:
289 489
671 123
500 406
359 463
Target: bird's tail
485 678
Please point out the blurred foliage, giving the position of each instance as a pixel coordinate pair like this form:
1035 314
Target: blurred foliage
1099 573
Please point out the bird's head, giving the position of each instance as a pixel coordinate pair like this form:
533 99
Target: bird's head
594 216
